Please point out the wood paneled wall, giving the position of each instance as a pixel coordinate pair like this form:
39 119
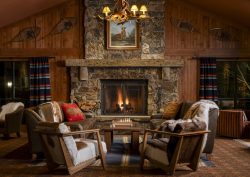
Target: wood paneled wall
179 44
186 45
66 45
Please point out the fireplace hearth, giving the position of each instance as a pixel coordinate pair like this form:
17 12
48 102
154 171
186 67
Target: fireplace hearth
124 97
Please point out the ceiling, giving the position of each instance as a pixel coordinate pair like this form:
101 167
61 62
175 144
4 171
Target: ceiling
12 11
235 10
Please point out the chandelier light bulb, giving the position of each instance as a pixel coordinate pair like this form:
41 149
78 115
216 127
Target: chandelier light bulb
134 9
106 10
143 9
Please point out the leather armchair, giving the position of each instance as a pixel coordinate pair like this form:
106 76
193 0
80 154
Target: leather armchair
45 113
12 119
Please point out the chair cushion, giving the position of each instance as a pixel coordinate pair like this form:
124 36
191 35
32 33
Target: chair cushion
91 149
50 111
9 108
184 108
93 142
156 154
159 143
171 110
72 112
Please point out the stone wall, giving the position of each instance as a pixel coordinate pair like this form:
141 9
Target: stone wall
152 45
159 91
147 62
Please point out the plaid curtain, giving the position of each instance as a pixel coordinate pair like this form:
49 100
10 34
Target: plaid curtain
208 79
39 81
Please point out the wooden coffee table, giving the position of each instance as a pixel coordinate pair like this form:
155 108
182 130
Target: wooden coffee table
135 132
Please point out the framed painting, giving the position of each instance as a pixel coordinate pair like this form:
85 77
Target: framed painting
124 36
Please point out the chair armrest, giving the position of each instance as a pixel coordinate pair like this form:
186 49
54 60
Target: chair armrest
74 126
69 133
177 134
80 132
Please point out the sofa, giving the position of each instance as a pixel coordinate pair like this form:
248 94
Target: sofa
158 119
49 112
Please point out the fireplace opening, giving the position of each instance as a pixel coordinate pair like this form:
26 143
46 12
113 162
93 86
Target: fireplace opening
124 97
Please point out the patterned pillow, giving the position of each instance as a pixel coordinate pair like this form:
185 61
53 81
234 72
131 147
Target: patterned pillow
72 112
171 109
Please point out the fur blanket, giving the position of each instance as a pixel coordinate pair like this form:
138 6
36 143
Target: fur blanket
197 113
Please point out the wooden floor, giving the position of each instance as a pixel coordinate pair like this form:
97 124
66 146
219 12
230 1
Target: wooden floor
231 159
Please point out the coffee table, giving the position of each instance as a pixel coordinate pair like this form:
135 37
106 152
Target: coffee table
134 130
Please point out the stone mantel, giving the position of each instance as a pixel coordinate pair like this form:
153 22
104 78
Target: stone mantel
95 63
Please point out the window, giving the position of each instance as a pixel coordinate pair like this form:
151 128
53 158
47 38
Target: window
14 81
234 84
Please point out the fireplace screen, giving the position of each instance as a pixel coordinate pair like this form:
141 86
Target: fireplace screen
124 97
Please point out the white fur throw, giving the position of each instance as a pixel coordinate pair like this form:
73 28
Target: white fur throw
8 108
198 112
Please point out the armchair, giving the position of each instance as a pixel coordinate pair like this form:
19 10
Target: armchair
213 114
49 112
184 147
61 148
11 118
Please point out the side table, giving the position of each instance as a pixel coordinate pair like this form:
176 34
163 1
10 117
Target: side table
109 133
231 123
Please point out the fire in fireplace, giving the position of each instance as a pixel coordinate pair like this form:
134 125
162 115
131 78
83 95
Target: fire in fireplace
124 97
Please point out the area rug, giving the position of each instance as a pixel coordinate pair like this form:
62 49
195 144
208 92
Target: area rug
120 155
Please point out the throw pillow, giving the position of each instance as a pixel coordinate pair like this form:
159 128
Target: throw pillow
171 109
191 112
72 112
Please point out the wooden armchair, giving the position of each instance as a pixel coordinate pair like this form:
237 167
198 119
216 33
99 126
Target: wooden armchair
181 148
61 148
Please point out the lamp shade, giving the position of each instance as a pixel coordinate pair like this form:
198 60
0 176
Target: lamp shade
143 9
134 8
106 10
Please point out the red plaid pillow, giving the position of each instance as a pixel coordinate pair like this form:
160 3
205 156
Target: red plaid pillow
72 112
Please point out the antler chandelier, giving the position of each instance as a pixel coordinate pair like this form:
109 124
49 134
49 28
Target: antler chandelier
122 12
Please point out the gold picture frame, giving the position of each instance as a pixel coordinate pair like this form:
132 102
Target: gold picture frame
123 36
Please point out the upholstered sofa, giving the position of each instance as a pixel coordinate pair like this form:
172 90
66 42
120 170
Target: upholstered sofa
157 120
49 112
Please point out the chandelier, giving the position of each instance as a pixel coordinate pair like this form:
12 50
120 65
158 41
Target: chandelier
122 12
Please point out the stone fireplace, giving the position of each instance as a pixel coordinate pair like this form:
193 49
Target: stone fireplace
158 81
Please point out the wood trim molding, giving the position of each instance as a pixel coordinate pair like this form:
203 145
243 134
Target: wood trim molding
208 52
34 52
